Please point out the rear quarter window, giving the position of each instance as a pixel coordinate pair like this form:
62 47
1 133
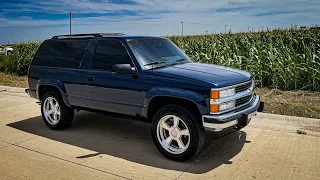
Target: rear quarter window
60 53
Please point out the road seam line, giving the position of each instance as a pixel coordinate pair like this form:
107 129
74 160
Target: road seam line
52 156
12 144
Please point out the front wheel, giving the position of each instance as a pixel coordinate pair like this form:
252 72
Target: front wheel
177 133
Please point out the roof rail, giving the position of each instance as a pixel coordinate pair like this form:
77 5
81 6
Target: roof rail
87 35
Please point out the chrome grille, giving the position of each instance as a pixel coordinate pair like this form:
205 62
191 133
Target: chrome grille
243 100
243 87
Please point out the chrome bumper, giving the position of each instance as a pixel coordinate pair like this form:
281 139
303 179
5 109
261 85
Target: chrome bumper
238 118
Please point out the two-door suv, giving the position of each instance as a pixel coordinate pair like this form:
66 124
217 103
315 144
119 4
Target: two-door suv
146 78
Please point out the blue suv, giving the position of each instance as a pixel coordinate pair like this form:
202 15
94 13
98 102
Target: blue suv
145 78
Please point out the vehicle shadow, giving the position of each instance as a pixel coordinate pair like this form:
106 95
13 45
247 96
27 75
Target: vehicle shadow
131 140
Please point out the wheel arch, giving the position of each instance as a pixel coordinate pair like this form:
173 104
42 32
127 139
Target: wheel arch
46 85
191 100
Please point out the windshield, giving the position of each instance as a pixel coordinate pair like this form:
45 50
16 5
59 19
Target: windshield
156 52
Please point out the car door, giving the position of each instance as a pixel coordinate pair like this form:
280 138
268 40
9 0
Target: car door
107 90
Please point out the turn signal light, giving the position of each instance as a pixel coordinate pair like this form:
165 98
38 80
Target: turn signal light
214 94
214 107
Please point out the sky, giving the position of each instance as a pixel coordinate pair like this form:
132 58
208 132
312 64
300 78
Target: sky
24 20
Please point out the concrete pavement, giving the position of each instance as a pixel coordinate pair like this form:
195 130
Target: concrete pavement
102 147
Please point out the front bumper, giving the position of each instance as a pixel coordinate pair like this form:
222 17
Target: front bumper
237 119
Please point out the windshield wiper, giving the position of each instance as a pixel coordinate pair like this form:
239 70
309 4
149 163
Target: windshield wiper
179 61
154 63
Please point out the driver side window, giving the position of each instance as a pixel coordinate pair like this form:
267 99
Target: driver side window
108 53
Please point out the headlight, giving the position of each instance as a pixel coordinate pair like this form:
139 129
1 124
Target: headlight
222 93
227 93
216 107
221 107
227 105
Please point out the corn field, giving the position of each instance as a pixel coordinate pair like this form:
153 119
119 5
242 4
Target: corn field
19 61
283 59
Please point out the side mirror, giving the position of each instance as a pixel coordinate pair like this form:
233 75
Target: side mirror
124 69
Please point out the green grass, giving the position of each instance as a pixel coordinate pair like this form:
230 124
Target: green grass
18 62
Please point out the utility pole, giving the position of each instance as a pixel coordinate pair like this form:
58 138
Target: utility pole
225 28
182 28
262 28
248 28
70 15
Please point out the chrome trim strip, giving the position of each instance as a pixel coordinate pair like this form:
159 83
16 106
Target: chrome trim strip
228 87
219 127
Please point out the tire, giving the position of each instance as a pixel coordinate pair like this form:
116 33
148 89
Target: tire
9 53
191 144
63 120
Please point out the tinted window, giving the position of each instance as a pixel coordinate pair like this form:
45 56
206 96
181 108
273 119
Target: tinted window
60 53
155 49
109 53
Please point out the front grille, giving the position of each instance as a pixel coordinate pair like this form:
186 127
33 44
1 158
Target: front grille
243 87
243 100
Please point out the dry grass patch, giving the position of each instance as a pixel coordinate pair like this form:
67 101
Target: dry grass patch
13 81
293 103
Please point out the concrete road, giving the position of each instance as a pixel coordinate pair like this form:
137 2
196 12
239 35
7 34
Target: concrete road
102 147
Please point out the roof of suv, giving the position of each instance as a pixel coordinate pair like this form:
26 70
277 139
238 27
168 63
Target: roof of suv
118 35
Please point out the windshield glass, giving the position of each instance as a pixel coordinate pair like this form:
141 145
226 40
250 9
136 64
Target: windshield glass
156 52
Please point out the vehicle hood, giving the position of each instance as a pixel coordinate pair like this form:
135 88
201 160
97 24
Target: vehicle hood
9 49
219 76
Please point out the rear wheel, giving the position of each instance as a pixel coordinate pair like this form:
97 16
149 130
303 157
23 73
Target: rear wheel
54 112
177 133
9 53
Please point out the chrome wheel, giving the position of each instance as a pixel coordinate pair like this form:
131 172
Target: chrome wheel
52 111
173 134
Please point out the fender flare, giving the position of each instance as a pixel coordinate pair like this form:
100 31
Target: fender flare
192 96
55 83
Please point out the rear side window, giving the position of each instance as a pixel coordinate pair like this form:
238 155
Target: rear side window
60 53
109 53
